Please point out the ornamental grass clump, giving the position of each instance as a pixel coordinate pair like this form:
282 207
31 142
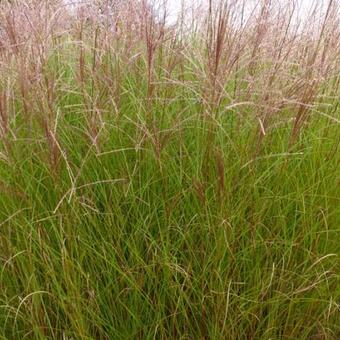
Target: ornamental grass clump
169 176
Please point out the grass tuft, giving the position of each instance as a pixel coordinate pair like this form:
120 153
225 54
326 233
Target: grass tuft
169 180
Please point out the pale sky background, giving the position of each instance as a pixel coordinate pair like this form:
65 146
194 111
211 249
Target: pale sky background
174 6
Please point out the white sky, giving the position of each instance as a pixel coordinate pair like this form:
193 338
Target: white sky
174 6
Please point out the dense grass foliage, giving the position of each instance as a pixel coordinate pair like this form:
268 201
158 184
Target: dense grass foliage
167 183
